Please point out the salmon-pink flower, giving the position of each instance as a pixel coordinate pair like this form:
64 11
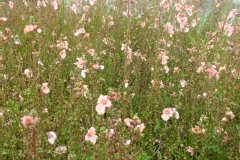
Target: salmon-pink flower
183 83
104 100
62 54
11 5
61 149
140 127
55 5
110 133
232 14
29 28
45 89
102 103
198 130
4 19
74 8
79 31
129 122
168 113
228 116
182 20
92 2
190 150
97 66
28 121
91 136
128 142
101 109
169 28
51 137
28 73
81 64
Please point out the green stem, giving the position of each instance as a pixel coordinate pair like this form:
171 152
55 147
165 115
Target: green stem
63 16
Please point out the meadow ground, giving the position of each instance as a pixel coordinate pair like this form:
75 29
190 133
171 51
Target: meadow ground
123 80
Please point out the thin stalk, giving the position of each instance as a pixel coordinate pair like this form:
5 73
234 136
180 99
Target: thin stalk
63 16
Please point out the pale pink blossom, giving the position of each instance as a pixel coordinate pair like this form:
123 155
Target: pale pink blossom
232 14
45 89
61 150
169 28
79 31
104 100
198 130
51 137
102 103
84 73
97 66
28 73
190 150
228 116
29 28
101 109
183 83
129 122
91 136
128 142
182 20
28 121
81 64
92 2
74 8
110 133
11 5
168 113
140 127
4 19
62 54
55 5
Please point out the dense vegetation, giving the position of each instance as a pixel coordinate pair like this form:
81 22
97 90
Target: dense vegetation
123 80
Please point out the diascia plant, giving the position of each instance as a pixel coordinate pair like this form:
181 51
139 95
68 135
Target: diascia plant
119 79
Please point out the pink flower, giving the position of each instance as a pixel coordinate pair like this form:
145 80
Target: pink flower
11 5
81 64
51 137
28 73
28 121
29 28
92 2
61 149
198 130
62 54
227 28
168 113
55 5
190 150
169 28
91 136
128 142
110 133
183 83
129 122
79 31
102 103
101 109
232 14
45 88
140 127
104 100
4 19
182 20
97 66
